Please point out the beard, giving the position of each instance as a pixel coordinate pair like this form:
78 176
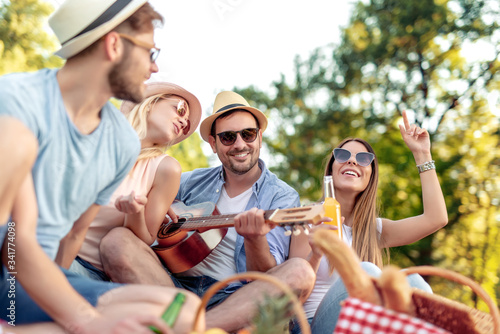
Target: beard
240 169
121 86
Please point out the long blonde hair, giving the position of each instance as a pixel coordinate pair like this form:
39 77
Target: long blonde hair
138 118
365 237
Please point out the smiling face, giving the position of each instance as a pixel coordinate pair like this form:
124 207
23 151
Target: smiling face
240 157
350 176
167 121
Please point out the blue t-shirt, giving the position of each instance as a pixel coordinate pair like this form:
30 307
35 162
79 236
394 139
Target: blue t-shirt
72 170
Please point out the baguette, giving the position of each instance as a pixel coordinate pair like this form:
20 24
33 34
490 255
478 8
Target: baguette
340 256
396 291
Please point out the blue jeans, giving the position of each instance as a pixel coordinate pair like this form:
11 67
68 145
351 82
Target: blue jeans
326 316
15 303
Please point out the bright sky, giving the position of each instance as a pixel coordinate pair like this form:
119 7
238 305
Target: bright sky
214 45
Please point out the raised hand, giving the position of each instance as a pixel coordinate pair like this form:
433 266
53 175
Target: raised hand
131 204
417 139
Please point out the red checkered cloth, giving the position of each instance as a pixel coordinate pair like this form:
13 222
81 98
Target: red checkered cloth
358 316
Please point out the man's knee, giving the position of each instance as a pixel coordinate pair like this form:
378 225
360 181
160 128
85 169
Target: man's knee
305 274
299 275
115 246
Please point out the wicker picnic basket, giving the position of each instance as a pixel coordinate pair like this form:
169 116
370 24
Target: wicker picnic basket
449 314
393 292
296 304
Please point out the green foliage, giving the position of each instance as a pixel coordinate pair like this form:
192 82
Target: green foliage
394 56
24 43
189 153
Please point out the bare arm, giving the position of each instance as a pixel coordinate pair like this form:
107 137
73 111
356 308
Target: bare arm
40 277
145 220
49 288
70 245
435 216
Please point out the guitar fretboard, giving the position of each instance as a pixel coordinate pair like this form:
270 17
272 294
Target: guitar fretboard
219 221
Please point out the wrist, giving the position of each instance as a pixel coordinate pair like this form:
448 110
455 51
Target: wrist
81 324
422 157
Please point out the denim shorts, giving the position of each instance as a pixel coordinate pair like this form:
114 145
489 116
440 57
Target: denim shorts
84 268
17 306
200 284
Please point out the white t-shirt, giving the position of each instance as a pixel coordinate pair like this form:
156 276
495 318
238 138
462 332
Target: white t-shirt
220 263
323 279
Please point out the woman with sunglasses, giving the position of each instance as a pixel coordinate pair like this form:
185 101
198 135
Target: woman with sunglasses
168 115
354 169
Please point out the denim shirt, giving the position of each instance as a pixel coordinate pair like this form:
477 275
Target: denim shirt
269 192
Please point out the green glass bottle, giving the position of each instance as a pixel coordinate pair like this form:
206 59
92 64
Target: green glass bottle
172 312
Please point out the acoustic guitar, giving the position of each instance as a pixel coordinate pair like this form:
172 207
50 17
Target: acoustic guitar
201 228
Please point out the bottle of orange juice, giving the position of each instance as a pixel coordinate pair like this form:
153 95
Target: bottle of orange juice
332 207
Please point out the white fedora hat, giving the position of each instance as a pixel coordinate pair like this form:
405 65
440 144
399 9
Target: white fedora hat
227 101
156 88
79 23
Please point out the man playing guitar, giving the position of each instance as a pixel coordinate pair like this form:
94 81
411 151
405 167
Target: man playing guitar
243 182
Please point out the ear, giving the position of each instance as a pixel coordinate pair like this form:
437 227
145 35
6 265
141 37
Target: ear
113 46
260 139
211 141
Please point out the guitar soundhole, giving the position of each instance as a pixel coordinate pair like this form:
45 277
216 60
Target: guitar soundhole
169 229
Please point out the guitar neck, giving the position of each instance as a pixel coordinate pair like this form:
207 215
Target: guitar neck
219 221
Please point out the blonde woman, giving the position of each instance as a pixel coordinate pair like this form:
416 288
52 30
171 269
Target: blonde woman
168 115
353 166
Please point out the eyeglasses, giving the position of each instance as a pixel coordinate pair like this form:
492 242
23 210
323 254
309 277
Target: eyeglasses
362 158
228 138
181 110
153 50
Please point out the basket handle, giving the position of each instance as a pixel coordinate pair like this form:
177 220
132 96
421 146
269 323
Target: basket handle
459 278
297 305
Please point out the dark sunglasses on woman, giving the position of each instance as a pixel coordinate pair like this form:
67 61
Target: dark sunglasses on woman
364 159
248 135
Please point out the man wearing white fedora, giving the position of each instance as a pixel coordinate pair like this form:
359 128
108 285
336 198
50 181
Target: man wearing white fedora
241 183
64 150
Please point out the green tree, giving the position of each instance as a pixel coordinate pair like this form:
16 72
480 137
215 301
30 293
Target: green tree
189 153
394 56
25 44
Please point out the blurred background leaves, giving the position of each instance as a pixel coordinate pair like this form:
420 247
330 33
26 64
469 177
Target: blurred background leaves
437 59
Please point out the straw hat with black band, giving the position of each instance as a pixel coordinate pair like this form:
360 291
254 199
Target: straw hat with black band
227 101
79 23
166 88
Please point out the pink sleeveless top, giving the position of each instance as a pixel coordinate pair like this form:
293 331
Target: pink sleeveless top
140 179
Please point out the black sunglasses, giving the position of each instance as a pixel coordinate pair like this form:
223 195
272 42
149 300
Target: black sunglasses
228 138
362 158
